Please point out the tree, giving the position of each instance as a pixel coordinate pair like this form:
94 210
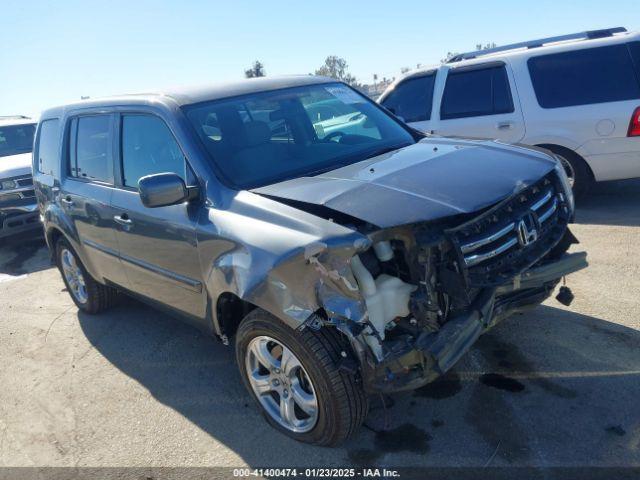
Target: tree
479 46
404 70
256 70
336 67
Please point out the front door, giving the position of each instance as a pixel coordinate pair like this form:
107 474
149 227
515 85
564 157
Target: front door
157 245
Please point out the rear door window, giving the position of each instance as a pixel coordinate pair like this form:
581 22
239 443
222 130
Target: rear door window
476 92
411 99
91 152
148 147
583 77
47 153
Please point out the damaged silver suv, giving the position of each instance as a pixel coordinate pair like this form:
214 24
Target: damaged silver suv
344 252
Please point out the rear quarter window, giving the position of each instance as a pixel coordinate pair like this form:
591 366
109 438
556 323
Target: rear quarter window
634 49
47 147
583 77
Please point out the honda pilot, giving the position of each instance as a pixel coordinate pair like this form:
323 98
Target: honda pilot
344 253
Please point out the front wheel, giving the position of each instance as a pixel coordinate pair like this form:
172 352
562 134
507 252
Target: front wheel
295 380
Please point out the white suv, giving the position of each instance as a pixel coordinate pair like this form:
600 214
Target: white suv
577 95
18 206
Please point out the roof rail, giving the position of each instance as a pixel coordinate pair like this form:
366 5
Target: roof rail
587 35
14 117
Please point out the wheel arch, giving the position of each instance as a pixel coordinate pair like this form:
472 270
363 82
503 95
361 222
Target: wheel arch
566 151
230 310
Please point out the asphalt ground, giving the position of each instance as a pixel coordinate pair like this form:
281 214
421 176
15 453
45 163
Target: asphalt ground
558 386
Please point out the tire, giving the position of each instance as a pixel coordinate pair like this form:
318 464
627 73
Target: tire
575 167
93 297
341 402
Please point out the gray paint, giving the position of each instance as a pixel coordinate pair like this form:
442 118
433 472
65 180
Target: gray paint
279 258
430 180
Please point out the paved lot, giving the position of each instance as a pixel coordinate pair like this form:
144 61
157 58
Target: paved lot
133 387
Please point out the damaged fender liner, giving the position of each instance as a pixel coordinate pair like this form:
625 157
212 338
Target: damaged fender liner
411 366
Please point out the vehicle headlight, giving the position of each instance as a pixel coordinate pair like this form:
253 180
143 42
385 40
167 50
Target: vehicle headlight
8 184
562 175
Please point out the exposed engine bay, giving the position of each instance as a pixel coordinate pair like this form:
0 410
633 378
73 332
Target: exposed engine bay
431 290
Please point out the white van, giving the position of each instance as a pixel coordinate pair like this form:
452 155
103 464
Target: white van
577 95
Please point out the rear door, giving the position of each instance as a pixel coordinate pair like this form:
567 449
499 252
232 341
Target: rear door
157 245
480 101
86 189
412 100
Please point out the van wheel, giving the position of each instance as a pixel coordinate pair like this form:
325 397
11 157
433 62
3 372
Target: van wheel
580 176
89 295
294 378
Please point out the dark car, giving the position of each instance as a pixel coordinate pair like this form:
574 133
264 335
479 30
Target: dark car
347 255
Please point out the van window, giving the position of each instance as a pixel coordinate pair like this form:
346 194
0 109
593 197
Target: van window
412 98
16 139
148 147
91 148
477 92
582 77
47 153
634 48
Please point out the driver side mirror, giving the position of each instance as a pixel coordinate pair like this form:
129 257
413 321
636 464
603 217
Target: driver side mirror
163 189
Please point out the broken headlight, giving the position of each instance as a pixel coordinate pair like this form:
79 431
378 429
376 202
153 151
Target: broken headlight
8 185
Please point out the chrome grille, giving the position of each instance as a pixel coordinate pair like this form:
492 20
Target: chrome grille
508 234
26 181
23 190
513 235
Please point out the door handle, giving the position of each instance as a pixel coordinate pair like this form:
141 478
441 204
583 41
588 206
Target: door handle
123 220
504 125
67 201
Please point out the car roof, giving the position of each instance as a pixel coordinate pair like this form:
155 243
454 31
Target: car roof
16 120
197 94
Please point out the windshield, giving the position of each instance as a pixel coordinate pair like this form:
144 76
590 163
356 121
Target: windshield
267 137
15 139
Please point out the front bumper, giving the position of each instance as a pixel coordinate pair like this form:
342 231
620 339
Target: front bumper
409 366
15 219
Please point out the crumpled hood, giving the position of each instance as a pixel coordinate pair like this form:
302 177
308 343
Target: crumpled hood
15 165
432 179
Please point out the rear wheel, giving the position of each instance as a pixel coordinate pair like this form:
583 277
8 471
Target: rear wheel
294 378
89 295
576 168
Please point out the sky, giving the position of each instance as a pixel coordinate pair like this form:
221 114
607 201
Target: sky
54 52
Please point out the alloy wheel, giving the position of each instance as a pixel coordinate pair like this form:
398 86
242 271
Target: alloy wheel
281 384
73 275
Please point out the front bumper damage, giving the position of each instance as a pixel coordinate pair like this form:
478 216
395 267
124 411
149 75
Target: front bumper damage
407 366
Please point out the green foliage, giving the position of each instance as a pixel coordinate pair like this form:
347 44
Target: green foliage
256 70
336 67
